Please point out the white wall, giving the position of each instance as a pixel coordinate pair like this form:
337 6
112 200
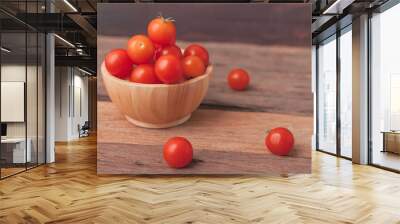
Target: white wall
80 111
16 73
70 84
62 81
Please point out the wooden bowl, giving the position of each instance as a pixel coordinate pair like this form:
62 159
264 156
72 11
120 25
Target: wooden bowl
156 105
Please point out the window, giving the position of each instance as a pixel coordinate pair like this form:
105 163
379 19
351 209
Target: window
385 89
22 76
327 96
346 92
334 73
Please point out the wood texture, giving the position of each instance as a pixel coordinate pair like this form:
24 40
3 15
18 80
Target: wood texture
156 105
280 75
228 122
225 142
147 159
69 191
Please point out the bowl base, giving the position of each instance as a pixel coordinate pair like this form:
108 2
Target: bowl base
155 126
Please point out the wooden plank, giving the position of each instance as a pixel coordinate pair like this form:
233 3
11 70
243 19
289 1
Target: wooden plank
218 129
216 133
147 159
280 76
268 24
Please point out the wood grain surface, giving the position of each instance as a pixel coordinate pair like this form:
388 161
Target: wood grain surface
225 142
229 128
280 76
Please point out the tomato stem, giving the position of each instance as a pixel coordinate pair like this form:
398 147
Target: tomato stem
169 19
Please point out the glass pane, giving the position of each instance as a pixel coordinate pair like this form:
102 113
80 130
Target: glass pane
13 87
327 96
31 86
346 94
385 89
31 100
41 98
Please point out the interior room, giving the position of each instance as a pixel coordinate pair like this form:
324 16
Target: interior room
22 99
52 84
385 89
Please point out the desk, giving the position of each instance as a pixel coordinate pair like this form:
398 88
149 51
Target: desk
15 148
391 141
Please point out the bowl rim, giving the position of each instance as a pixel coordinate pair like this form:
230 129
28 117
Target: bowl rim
105 72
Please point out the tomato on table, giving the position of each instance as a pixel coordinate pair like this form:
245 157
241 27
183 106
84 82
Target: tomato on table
238 79
279 141
193 66
118 63
140 49
178 152
169 70
162 31
144 74
197 50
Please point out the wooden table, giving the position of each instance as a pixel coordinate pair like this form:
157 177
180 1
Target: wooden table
391 141
228 130
225 142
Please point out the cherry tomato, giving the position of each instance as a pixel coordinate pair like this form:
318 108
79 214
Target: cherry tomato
157 52
197 50
140 49
118 63
144 74
172 50
279 141
193 66
178 152
238 79
168 69
162 31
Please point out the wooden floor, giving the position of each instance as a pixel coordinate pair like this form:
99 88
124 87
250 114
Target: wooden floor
69 191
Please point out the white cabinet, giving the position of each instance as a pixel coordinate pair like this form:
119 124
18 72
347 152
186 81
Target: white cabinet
19 155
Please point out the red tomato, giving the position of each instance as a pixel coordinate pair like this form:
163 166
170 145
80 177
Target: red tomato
178 152
140 49
157 52
162 31
238 79
169 69
144 74
118 63
199 51
279 141
172 50
193 66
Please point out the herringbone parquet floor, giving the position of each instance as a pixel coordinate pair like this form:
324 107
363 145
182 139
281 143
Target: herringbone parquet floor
69 191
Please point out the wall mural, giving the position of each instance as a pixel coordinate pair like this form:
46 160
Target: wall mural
204 89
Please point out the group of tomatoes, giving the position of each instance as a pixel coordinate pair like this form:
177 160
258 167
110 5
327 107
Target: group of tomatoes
178 151
155 58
